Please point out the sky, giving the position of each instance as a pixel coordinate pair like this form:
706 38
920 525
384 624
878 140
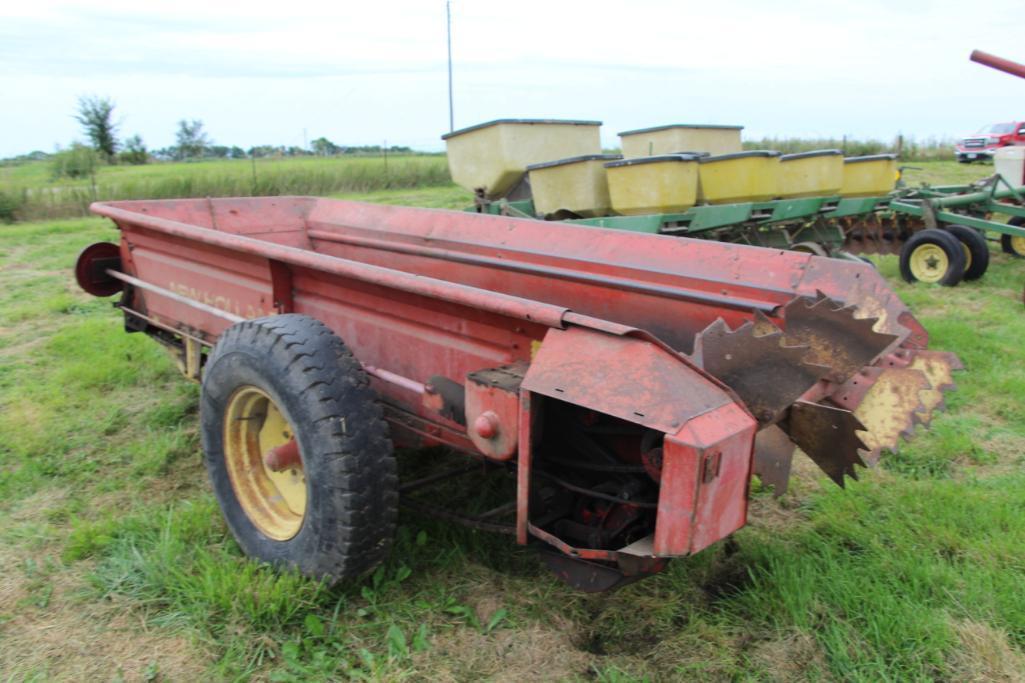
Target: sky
371 72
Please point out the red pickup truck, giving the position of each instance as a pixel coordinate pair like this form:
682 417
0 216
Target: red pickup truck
988 139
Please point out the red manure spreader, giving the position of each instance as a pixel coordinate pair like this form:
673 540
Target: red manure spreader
630 384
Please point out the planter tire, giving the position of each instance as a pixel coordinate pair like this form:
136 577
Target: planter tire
1015 246
975 248
932 256
327 505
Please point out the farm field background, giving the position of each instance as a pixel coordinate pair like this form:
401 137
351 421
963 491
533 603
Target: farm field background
29 192
117 564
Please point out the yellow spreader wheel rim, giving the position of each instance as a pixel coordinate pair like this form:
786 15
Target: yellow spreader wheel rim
967 256
929 263
1018 245
275 502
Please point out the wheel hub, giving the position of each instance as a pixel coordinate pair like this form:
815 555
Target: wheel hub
1018 245
270 489
929 263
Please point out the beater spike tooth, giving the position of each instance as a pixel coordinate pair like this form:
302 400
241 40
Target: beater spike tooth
763 325
829 436
748 328
837 339
908 432
846 309
871 456
921 416
869 323
766 373
891 407
822 299
718 327
773 455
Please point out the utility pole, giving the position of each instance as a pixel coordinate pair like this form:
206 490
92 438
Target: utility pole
448 24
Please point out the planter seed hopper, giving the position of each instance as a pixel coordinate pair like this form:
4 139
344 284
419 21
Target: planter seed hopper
628 384
492 158
680 137
815 202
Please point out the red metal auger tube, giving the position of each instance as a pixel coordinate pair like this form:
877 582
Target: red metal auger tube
998 63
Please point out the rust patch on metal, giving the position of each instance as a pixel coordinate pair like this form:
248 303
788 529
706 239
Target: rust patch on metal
888 408
834 337
938 367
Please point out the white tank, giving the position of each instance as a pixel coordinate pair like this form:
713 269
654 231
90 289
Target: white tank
1010 163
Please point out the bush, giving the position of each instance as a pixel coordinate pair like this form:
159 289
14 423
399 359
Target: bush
78 161
10 203
134 152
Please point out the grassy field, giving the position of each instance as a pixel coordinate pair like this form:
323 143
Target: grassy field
117 565
944 172
28 191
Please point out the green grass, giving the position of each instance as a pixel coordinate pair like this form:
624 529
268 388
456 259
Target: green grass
446 197
28 192
944 172
109 537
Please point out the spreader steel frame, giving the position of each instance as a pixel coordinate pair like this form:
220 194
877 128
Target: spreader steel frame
631 383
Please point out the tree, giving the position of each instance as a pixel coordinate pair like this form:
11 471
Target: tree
260 151
324 147
96 114
192 139
134 151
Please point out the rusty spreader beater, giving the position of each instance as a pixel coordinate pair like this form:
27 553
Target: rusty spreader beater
629 384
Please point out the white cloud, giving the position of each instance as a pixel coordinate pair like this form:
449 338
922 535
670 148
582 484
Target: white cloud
363 72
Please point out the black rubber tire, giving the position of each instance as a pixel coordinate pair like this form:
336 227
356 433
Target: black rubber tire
945 241
977 247
1005 240
323 392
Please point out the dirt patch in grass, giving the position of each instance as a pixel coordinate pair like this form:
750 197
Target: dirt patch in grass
1009 451
791 657
529 653
48 631
985 654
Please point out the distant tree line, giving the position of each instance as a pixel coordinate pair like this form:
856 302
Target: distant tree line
95 115
174 152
